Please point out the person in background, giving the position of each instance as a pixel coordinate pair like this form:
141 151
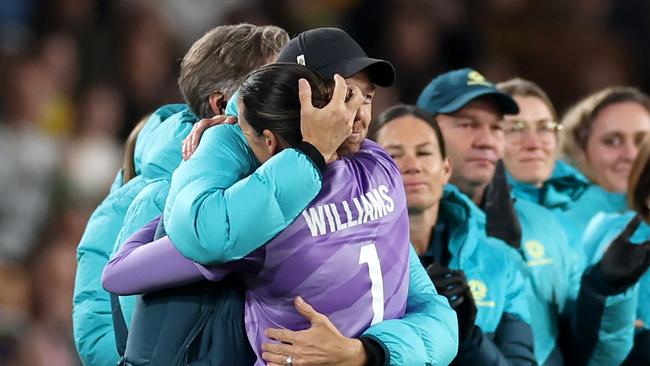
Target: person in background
448 233
30 160
602 134
535 171
94 154
593 309
633 226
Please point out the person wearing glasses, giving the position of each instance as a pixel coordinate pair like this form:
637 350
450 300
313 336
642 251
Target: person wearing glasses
597 151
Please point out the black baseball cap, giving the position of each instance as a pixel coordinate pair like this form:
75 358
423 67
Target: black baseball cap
330 51
452 90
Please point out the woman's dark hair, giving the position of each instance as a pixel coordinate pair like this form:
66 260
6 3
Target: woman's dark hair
402 110
271 102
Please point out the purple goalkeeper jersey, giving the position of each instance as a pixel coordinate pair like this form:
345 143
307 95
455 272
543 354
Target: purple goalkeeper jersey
347 254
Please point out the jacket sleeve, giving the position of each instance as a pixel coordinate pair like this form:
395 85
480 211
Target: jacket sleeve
513 342
117 182
147 205
428 332
221 207
91 311
598 321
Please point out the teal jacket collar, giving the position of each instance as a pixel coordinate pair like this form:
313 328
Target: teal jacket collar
565 186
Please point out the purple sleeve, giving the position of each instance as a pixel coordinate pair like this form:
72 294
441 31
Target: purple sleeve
143 266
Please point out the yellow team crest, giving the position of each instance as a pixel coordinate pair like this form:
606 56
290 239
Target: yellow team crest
476 78
537 253
479 292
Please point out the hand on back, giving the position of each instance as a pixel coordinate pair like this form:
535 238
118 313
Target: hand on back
191 142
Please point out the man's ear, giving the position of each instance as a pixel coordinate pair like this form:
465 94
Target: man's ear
446 170
218 103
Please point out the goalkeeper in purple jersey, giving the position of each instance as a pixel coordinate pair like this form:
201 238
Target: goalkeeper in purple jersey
347 254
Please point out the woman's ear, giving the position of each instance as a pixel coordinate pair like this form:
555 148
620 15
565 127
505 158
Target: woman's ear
271 142
218 103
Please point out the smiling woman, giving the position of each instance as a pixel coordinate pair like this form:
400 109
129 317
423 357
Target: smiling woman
603 133
531 135
594 179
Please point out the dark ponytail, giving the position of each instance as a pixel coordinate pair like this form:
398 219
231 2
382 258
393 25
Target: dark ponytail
271 102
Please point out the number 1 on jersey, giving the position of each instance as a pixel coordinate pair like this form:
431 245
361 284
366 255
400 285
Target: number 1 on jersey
369 255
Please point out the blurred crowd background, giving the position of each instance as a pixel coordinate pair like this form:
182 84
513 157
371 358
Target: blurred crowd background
77 75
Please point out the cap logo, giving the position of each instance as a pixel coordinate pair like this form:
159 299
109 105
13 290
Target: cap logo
475 78
301 60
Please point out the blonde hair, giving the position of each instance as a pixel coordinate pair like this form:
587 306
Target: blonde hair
639 182
578 121
128 165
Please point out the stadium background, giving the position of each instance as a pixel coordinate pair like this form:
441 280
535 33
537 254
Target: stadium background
76 75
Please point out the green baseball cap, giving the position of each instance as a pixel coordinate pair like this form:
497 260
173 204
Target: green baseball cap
451 91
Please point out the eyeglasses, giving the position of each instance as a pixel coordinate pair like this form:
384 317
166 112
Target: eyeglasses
545 130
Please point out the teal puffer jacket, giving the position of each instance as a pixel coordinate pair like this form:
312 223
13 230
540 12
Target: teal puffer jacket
493 271
572 198
158 149
487 262
564 292
91 312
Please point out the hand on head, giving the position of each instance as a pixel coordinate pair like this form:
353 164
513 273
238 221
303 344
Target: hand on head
327 128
